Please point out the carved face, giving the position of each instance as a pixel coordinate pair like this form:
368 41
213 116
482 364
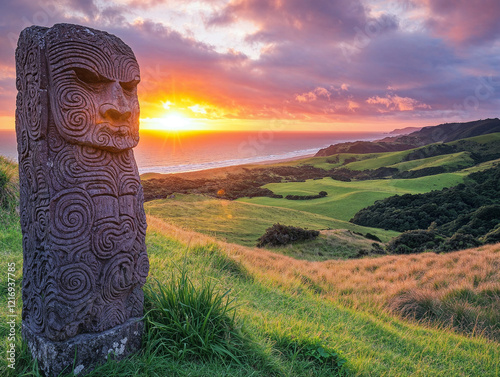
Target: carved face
93 79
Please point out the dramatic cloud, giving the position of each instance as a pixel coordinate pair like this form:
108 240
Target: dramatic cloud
465 22
323 61
296 20
395 102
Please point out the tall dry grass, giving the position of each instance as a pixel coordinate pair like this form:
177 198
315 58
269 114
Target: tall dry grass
459 290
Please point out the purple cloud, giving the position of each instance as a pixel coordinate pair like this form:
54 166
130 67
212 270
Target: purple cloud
322 60
465 22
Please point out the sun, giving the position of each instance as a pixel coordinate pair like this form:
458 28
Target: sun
172 121
175 122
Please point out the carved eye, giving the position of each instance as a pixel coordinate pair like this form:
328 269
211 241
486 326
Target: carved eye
129 85
88 76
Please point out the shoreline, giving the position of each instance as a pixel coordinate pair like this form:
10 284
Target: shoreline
223 170
268 162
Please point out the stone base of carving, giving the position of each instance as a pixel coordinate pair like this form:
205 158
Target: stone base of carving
84 352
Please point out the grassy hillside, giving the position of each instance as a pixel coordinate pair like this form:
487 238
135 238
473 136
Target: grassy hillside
447 132
300 318
331 244
480 167
483 144
452 162
242 222
346 198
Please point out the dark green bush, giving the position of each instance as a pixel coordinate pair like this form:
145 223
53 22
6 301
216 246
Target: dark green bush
279 235
413 241
471 207
372 237
321 194
377 249
459 241
492 236
432 170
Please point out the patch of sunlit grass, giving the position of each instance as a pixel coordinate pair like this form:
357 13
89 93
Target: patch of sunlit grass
420 286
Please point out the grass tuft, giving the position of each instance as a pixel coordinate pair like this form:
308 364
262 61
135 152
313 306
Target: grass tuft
310 353
463 309
193 322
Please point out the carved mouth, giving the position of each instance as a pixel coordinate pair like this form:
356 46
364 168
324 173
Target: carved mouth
115 137
118 129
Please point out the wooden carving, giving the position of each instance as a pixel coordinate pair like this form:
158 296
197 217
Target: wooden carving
82 214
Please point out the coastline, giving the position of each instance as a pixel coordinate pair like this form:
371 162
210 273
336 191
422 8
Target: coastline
220 172
267 162
145 173
159 156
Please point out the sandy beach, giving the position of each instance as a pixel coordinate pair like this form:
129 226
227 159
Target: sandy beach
223 171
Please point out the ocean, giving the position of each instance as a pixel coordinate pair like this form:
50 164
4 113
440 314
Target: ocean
176 152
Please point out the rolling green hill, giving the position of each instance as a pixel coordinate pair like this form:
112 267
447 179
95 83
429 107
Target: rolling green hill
346 198
384 316
472 208
442 133
243 222
454 155
288 309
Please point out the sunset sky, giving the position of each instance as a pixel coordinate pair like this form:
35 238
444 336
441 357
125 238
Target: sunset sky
319 65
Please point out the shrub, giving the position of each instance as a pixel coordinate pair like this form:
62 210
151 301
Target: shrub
321 194
413 241
279 235
459 241
372 237
198 323
492 236
377 249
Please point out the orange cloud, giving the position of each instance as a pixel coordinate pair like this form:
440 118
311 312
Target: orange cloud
313 95
395 102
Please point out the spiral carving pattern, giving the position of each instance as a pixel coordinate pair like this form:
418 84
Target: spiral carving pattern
76 282
110 238
41 221
142 267
118 278
37 313
72 214
75 109
81 201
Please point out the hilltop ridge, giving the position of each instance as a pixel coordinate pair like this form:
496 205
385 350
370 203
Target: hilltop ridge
445 132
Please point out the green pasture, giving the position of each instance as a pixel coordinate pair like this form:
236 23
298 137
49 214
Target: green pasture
346 198
241 222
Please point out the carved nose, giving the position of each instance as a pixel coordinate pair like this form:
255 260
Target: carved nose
109 111
118 108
